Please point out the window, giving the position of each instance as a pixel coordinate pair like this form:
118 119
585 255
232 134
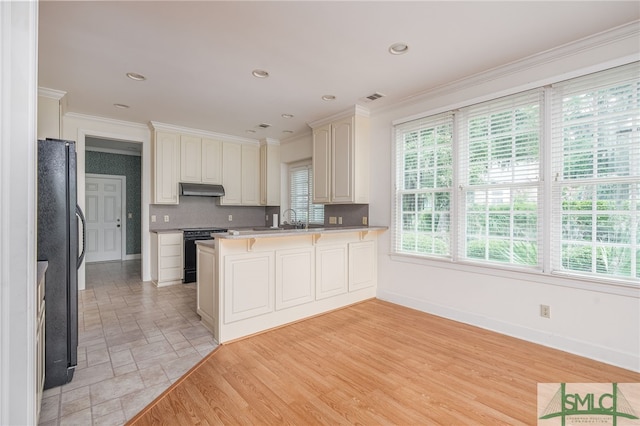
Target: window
300 195
470 183
596 174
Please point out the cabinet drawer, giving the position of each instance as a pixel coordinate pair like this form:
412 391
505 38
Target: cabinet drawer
171 262
168 274
166 239
170 251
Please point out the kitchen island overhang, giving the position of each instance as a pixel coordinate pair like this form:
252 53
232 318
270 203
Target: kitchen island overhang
251 281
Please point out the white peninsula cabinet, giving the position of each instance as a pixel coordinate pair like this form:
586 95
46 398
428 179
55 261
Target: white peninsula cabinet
341 159
258 280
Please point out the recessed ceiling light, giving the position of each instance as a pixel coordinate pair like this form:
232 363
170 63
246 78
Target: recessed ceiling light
260 73
287 115
328 98
121 106
136 76
398 49
250 131
287 131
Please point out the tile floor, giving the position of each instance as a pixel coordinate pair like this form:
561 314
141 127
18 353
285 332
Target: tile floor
135 340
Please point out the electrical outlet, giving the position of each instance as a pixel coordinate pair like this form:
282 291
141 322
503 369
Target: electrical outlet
364 220
153 218
339 220
166 218
332 220
130 215
266 218
230 217
545 311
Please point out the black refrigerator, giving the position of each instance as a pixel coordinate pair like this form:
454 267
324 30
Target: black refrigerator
59 236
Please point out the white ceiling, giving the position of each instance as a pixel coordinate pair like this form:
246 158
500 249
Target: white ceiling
198 56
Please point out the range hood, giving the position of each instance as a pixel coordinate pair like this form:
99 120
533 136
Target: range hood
201 190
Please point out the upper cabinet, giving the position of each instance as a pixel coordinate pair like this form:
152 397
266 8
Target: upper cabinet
165 167
248 171
49 113
341 159
269 174
200 160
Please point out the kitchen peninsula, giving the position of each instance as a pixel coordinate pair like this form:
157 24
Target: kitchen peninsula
253 280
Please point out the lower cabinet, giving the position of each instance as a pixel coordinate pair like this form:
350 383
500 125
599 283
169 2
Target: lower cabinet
207 288
248 285
261 283
167 265
295 277
331 270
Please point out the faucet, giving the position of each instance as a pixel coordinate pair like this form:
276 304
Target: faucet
295 222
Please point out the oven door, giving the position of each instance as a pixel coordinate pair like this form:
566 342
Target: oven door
190 266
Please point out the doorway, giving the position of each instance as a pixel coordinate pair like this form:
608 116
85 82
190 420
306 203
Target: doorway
105 210
108 160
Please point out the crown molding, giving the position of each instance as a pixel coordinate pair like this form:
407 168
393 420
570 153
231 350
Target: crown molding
155 125
138 126
627 31
358 110
269 141
51 93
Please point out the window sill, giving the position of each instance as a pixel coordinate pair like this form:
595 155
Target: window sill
620 288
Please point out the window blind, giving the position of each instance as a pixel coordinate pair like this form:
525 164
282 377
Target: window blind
596 174
424 167
300 192
500 144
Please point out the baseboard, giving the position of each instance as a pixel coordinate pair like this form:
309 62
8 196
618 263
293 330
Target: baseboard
607 355
135 256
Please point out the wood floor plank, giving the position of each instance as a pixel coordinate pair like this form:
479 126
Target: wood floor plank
373 363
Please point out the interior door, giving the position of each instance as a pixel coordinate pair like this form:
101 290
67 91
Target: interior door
103 198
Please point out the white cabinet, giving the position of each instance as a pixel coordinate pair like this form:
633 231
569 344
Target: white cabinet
362 265
240 174
295 277
331 270
269 174
165 166
250 175
200 160
207 285
341 160
166 258
190 159
248 285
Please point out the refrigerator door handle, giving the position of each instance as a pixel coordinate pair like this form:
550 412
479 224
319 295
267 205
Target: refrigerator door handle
84 229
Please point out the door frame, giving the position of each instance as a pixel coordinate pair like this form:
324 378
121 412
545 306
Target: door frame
123 205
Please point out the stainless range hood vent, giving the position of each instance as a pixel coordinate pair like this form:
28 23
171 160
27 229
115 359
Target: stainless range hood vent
201 190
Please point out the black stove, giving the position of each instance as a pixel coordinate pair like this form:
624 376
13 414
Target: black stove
191 235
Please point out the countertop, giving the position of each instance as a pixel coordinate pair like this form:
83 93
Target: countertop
271 233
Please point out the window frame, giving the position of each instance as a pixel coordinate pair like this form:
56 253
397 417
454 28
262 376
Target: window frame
305 164
544 272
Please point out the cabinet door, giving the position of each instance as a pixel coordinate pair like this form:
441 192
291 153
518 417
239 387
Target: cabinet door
331 270
322 164
232 173
211 161
207 290
166 165
170 258
362 265
295 277
190 159
342 150
248 285
270 175
250 175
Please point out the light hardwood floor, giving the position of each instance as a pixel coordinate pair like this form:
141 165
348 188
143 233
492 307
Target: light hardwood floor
372 363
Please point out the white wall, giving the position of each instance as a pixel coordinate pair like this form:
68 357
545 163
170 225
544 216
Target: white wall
595 324
18 171
76 127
